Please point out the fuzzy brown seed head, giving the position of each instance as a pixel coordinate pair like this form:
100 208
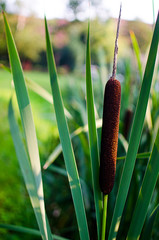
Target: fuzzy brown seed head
127 122
109 141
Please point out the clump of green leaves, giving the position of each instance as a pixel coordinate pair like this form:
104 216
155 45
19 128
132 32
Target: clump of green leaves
29 160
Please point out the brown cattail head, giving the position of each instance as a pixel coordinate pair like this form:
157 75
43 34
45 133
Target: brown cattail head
109 141
127 122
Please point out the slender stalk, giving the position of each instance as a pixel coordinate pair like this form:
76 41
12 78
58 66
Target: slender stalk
153 10
116 47
104 216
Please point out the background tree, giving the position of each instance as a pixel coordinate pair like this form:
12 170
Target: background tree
74 5
2 5
79 5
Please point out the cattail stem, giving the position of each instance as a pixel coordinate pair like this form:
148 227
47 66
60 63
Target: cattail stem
116 46
105 200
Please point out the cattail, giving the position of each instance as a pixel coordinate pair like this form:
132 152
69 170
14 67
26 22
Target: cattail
109 141
127 122
110 128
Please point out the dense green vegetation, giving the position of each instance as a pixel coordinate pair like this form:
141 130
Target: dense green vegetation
57 194
58 203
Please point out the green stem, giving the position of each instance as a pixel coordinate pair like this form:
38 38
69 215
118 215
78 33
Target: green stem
104 217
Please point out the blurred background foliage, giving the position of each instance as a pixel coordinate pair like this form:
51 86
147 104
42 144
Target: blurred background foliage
69 42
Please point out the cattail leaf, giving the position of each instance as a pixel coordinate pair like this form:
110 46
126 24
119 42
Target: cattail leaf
7 69
123 141
102 70
68 153
143 155
85 188
20 229
27 119
93 140
145 193
138 156
63 172
52 157
148 227
26 169
153 9
44 94
35 87
138 58
26 230
39 90
137 52
135 135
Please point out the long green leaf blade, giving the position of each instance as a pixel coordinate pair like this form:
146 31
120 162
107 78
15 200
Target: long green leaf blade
44 94
58 148
135 135
26 117
138 156
27 230
93 141
35 87
69 158
145 193
137 52
138 58
26 169
147 231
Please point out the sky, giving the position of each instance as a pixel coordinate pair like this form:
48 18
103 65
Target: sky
131 9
